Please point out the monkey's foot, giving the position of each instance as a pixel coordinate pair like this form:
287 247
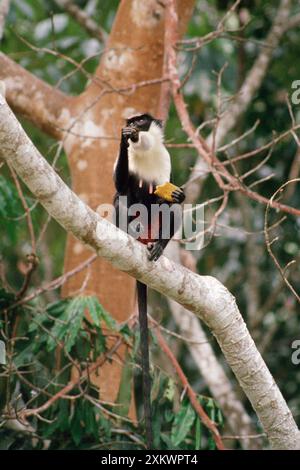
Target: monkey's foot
178 196
155 250
170 192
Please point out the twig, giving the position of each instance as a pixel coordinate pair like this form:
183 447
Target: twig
33 262
217 168
269 243
83 19
191 394
56 282
73 382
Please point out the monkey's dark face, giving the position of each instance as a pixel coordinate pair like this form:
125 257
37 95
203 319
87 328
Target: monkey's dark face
142 122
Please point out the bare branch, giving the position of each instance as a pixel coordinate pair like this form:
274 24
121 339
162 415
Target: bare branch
256 75
269 242
250 86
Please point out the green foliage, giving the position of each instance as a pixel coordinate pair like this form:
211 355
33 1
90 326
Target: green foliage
183 422
63 328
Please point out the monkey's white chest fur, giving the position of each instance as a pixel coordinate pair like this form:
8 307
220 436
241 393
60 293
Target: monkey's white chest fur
148 158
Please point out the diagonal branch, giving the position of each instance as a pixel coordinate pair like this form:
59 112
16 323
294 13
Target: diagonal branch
205 296
34 99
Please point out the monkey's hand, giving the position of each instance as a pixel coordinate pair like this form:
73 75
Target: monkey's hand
155 250
169 192
129 133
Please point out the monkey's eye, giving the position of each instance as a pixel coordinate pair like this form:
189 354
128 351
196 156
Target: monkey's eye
141 121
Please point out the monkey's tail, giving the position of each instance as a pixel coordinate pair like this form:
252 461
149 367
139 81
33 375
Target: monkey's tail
143 320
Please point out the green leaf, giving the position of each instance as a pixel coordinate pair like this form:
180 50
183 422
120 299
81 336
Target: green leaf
76 426
184 420
220 419
211 407
124 393
98 313
198 435
99 346
211 443
95 309
68 324
74 316
170 390
126 332
109 320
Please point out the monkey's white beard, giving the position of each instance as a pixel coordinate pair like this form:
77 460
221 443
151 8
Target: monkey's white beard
148 158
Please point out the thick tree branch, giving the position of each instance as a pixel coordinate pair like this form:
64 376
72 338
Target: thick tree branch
203 295
34 99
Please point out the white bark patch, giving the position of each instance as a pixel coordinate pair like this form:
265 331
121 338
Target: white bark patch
119 58
129 112
80 132
78 248
146 14
82 165
90 129
106 114
103 143
15 83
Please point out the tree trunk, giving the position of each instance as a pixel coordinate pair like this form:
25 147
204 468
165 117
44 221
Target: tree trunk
134 54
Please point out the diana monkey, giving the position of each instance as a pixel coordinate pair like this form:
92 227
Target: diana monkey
142 174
